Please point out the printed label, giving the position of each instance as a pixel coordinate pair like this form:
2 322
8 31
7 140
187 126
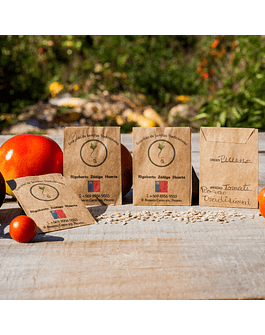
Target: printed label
162 166
228 167
94 186
59 214
161 186
92 163
50 202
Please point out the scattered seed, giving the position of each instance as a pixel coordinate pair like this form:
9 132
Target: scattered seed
192 215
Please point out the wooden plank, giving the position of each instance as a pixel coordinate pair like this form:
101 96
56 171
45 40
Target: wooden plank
214 265
261 170
141 260
195 139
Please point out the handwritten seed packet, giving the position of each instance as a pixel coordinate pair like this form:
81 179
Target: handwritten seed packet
162 170
50 202
229 167
92 164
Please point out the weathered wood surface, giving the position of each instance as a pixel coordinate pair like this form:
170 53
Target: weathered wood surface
140 260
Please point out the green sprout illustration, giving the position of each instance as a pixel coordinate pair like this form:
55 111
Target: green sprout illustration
161 147
93 147
43 189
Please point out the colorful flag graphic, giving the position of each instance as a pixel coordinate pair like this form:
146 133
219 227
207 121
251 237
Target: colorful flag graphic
94 186
161 186
58 214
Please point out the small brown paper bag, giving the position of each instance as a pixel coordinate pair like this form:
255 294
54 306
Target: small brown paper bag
229 167
92 164
50 202
162 167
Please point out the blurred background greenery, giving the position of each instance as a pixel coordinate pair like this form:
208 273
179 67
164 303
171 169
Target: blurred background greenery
222 76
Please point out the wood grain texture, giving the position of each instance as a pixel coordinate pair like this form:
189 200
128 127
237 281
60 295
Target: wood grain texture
140 260
213 265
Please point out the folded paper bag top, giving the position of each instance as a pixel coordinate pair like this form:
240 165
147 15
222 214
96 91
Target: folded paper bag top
227 135
229 167
50 202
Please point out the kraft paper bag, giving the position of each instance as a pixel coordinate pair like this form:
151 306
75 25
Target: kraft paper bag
50 202
92 164
162 170
229 167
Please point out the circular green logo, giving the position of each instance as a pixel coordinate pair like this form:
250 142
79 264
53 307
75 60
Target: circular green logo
93 153
44 192
161 153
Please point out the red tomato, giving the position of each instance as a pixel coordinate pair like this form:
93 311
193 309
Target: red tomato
2 189
23 229
261 197
126 170
261 200
29 155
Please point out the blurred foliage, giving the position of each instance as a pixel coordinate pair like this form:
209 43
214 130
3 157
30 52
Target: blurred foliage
229 71
157 66
232 69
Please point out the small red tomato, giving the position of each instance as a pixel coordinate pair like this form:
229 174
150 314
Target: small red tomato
23 229
29 155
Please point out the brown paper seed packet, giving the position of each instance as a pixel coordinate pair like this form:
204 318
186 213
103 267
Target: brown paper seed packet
162 170
92 164
50 202
229 165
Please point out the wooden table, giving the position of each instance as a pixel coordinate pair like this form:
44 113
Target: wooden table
140 260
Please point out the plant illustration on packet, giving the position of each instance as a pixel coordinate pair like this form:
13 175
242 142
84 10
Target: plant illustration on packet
162 170
50 202
92 164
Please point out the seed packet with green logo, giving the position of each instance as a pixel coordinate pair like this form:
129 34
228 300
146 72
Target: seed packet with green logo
50 202
162 170
92 164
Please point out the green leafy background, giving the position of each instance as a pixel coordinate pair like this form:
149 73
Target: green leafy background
230 86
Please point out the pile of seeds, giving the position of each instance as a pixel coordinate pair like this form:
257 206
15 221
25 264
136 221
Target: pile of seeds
192 215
